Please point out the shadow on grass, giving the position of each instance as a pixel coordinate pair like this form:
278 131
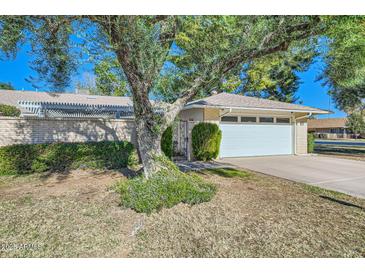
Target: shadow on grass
327 149
341 202
60 176
127 172
227 172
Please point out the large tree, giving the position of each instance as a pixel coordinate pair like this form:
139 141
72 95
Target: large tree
198 52
275 76
344 71
356 123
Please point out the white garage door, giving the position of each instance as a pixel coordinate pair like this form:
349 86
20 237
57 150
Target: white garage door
256 140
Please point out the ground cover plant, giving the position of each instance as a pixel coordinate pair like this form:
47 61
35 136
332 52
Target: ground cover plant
164 189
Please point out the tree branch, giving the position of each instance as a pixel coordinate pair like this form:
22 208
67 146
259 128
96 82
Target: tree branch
174 109
247 54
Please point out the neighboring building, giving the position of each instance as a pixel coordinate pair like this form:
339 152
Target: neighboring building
250 126
331 128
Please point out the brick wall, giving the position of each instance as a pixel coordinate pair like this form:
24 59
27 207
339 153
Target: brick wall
35 131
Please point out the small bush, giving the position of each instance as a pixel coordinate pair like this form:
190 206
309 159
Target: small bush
30 158
310 142
206 140
10 111
166 188
166 142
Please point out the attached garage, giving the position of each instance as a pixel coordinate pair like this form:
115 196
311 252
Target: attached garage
252 126
256 140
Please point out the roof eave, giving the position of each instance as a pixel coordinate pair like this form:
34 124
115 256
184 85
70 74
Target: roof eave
312 111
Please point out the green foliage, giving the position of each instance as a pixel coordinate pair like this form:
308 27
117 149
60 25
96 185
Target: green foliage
195 46
22 159
356 123
110 80
206 139
344 72
166 142
194 53
164 189
275 77
6 86
310 142
10 111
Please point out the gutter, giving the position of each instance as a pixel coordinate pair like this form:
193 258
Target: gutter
229 111
255 108
305 116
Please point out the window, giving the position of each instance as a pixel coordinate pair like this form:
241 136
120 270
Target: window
229 119
266 119
283 120
248 119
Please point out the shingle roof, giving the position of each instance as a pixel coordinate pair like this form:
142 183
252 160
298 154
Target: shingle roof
327 123
227 100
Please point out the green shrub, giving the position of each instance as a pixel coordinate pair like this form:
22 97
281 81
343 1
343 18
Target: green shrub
166 188
22 159
310 142
166 142
11 111
206 140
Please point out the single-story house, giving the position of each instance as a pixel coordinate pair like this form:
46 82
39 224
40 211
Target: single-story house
250 126
331 128
253 126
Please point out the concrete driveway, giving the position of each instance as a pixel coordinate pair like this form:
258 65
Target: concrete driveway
338 174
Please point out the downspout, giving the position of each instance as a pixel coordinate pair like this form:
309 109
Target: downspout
230 110
295 130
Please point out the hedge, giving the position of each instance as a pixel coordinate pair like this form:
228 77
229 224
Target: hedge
11 111
166 142
206 139
31 158
310 142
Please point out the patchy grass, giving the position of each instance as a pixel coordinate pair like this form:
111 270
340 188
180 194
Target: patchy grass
78 215
261 216
227 172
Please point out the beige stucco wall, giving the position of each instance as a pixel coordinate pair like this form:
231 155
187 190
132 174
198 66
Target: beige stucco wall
35 131
301 136
194 114
211 114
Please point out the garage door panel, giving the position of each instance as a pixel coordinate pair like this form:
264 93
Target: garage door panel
255 140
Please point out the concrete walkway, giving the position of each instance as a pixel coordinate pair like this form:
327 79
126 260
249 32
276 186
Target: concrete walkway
337 174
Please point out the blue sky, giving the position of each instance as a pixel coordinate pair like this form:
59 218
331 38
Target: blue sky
311 92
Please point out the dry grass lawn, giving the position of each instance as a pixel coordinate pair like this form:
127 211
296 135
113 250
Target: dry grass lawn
252 215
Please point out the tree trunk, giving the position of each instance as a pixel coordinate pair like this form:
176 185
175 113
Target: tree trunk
149 146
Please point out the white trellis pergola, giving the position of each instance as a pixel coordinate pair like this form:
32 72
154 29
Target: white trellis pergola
77 110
